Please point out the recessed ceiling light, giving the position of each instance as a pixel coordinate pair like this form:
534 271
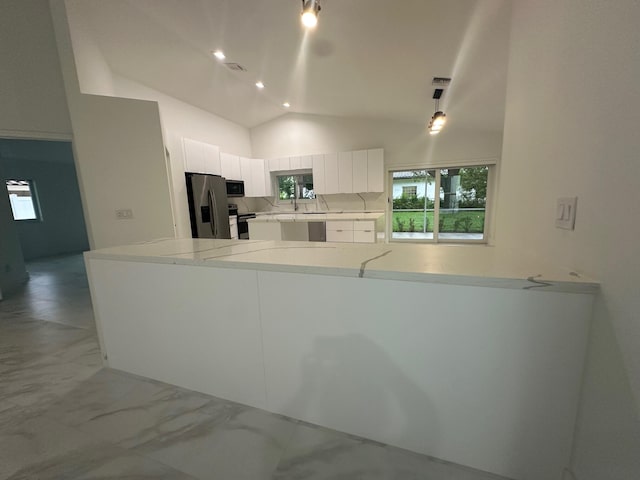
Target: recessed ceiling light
260 85
286 104
219 55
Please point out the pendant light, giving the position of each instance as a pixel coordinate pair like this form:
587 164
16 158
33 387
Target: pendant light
310 11
439 118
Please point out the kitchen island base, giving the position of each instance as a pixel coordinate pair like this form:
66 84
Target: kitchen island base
483 377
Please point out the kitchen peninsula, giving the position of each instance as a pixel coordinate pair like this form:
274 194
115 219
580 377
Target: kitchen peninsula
458 352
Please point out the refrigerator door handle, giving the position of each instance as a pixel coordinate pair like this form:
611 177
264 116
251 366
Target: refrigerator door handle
212 210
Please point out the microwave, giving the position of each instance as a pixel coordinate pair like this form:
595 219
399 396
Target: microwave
235 188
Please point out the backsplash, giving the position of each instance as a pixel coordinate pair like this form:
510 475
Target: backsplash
323 203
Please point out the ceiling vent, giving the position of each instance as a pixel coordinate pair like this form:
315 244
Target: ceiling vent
236 67
440 82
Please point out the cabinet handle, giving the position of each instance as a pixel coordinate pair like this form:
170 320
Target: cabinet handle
338 230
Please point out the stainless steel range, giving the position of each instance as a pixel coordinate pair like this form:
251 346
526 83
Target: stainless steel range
243 225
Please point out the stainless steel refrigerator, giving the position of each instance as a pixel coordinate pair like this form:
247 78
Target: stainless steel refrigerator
208 208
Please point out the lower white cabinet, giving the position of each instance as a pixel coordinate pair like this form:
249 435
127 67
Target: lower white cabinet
348 231
233 227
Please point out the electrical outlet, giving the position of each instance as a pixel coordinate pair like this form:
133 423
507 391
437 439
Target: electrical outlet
566 212
124 214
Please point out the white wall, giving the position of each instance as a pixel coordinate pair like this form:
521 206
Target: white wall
93 72
61 228
404 144
179 120
119 154
572 125
32 97
12 269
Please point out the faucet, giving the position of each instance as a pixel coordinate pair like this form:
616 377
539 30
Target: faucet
295 196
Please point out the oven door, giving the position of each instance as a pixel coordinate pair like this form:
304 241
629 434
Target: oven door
243 225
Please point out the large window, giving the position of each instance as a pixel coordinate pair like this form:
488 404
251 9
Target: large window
298 186
440 205
22 196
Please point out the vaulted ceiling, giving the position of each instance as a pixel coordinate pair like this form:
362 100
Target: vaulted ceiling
366 58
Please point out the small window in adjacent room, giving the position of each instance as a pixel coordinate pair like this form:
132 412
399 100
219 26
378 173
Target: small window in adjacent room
22 196
299 186
410 191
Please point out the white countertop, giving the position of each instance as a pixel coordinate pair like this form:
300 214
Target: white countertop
316 217
474 265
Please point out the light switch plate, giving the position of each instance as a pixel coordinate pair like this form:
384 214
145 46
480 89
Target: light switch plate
566 212
124 214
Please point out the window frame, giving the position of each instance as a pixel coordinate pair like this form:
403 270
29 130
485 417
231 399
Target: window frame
491 192
291 173
35 201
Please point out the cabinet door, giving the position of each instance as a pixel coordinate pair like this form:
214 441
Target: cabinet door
245 176
294 163
364 236
360 169
230 166
211 159
306 161
319 184
268 189
345 172
193 156
339 225
364 231
344 236
375 170
284 164
257 178
331 173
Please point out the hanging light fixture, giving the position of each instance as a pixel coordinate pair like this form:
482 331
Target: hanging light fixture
310 11
439 118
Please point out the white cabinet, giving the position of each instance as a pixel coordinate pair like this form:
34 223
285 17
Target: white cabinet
212 159
200 157
258 178
360 171
339 231
233 227
364 231
245 176
345 172
375 170
306 161
294 163
230 166
331 176
317 167
279 164
348 231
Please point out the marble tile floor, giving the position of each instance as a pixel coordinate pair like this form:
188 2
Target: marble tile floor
64 416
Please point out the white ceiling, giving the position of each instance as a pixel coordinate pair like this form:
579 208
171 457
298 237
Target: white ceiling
367 58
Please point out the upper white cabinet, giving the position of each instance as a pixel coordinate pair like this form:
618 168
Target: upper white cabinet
360 172
245 175
200 157
345 172
375 170
259 178
280 164
230 166
319 183
306 161
331 175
